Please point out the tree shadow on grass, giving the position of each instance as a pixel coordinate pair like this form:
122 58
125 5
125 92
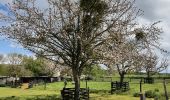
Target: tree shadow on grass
40 97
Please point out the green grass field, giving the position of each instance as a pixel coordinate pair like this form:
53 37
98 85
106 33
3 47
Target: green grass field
5 92
134 87
102 89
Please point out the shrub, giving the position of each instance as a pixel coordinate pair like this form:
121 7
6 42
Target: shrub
151 94
40 97
156 90
2 85
88 78
136 94
10 98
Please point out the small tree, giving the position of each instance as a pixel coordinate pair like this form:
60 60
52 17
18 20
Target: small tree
3 70
128 43
35 66
39 66
14 64
95 71
152 64
52 68
126 59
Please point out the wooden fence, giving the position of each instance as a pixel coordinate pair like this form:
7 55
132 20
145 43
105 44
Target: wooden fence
119 86
68 93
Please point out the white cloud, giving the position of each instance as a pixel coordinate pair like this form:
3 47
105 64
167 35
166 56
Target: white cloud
157 10
15 45
6 2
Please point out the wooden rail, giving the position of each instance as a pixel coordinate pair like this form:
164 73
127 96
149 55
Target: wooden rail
68 93
119 86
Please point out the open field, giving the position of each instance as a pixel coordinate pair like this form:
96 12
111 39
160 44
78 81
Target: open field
134 87
5 92
29 94
99 91
24 94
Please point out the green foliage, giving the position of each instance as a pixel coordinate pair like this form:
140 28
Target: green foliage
14 70
2 85
156 90
87 70
17 71
3 69
93 11
140 35
40 97
95 71
10 98
152 94
136 94
36 66
93 6
14 67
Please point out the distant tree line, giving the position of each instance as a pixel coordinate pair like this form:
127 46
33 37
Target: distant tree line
17 65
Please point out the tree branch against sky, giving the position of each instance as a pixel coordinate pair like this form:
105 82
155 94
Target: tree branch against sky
152 64
67 32
72 33
129 41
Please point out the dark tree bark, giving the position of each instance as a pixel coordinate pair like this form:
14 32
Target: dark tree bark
166 93
122 76
148 74
77 84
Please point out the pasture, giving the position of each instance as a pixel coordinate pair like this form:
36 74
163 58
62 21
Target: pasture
98 91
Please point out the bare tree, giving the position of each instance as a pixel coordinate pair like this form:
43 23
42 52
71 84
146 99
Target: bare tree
51 68
128 42
124 57
68 32
14 68
14 60
152 64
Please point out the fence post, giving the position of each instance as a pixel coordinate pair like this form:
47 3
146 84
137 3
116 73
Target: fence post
86 83
142 95
166 94
141 85
45 84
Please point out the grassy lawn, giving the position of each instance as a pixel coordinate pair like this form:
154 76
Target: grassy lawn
113 97
102 89
23 94
5 92
134 87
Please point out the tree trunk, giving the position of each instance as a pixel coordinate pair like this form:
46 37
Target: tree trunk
121 79
15 81
77 84
148 74
166 94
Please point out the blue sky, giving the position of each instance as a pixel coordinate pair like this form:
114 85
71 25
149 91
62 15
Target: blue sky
6 45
